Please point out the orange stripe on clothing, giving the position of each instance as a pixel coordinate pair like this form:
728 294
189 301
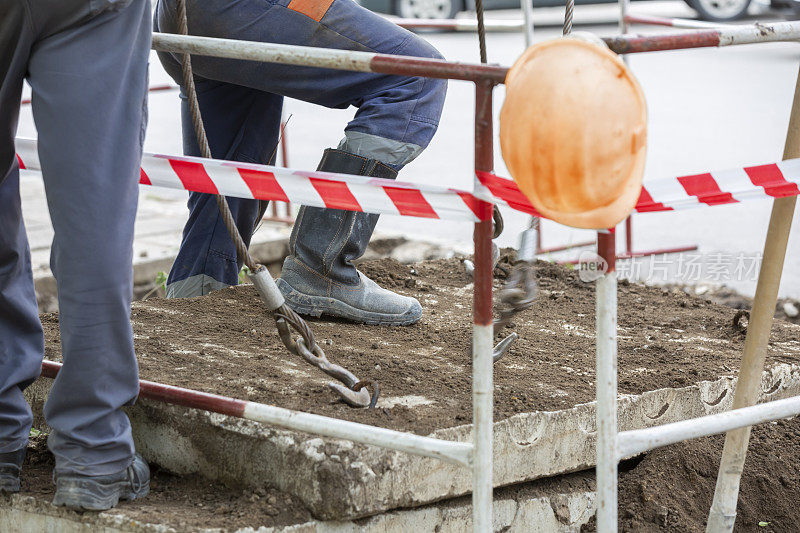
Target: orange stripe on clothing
315 9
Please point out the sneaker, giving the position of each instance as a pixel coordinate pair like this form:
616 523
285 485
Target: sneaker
10 469
99 493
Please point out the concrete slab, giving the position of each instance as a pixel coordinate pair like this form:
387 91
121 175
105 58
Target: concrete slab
513 513
340 480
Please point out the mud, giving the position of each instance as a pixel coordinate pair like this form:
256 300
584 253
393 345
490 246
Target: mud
226 343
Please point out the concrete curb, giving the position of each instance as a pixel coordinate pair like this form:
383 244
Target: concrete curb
339 480
553 513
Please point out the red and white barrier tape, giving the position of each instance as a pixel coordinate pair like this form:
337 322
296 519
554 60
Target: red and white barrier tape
359 193
320 189
774 180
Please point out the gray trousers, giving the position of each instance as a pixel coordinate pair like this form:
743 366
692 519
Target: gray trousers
86 62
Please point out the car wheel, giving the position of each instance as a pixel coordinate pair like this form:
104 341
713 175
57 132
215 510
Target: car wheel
720 10
427 9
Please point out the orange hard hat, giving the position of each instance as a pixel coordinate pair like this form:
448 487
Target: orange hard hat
573 132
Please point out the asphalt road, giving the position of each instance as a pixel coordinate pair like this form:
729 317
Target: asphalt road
709 109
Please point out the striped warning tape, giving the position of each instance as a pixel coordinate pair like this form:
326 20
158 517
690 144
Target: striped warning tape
320 189
774 180
359 193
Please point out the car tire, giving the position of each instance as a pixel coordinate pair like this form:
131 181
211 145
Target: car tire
720 10
427 9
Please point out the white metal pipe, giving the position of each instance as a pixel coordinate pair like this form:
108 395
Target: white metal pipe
606 317
459 453
759 33
265 52
624 5
527 18
454 452
460 24
482 402
634 442
688 24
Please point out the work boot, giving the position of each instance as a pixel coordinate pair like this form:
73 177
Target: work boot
318 276
99 493
10 469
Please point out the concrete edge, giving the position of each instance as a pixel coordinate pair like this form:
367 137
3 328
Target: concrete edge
560 512
340 480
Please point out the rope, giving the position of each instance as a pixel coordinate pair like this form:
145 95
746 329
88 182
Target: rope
568 17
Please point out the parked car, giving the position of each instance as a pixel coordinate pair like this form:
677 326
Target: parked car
712 10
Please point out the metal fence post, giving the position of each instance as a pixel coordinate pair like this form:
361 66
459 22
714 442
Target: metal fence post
722 515
482 333
527 17
606 317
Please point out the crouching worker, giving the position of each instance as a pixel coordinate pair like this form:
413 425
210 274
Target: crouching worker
86 63
241 105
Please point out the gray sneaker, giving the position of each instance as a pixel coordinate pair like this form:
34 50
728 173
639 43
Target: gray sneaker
10 469
99 493
309 294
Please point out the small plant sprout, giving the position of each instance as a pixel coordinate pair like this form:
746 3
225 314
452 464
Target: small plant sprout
160 283
243 274
161 280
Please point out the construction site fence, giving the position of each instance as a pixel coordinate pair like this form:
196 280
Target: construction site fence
477 455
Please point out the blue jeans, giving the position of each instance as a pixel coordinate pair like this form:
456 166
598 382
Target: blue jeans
241 103
86 62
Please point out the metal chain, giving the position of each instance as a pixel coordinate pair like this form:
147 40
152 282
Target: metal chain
354 393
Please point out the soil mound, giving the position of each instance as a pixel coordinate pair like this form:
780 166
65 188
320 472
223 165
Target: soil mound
226 343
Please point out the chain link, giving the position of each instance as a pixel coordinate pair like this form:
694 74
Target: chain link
353 392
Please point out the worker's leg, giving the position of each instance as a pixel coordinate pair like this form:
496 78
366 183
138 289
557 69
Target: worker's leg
21 340
242 124
89 84
396 117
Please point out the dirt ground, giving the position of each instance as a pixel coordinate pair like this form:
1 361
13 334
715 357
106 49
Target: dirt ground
670 489
225 343
724 296
186 503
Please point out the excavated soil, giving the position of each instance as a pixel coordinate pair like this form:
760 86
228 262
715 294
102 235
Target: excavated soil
671 489
225 343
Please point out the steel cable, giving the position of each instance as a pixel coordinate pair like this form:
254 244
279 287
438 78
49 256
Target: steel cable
305 346
570 8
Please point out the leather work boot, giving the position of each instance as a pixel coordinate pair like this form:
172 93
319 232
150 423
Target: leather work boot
10 469
99 493
318 276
